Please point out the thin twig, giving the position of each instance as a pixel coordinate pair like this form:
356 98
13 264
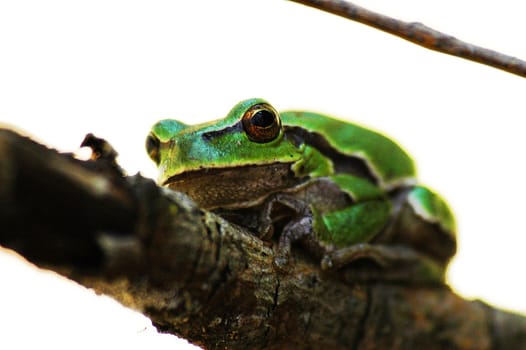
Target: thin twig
421 35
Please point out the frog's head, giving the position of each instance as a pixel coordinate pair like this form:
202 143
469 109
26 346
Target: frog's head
226 162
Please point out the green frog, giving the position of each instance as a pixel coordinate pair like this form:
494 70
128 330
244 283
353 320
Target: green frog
345 192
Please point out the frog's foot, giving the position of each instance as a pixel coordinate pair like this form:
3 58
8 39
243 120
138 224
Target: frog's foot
395 263
292 232
384 256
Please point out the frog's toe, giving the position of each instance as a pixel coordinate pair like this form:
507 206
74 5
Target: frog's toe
381 256
326 262
282 262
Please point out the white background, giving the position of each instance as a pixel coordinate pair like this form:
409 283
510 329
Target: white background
115 67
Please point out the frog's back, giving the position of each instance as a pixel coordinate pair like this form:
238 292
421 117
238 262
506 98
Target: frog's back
387 162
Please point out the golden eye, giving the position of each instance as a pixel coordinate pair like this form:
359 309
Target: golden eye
152 147
261 123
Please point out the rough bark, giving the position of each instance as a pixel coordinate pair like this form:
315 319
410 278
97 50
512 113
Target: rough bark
199 277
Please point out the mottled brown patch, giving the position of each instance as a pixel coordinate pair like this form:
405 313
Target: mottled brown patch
238 187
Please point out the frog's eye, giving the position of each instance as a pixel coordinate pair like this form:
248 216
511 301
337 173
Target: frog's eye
261 123
152 147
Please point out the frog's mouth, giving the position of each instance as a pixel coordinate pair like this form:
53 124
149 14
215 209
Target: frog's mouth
235 187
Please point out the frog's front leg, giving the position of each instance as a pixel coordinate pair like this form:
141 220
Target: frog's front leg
292 232
299 223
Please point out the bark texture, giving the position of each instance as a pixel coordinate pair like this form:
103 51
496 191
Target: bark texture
197 276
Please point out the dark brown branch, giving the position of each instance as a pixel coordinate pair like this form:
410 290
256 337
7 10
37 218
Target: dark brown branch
421 35
199 277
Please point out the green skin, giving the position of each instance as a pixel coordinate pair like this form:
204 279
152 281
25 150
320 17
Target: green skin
346 192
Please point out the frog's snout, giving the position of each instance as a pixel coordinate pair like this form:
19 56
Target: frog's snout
152 147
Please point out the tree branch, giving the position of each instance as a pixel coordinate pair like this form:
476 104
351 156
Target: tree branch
197 276
420 34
